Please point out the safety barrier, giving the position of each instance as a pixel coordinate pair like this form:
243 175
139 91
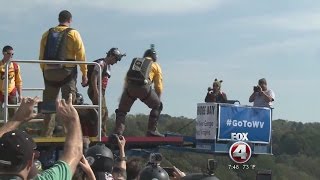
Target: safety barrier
6 105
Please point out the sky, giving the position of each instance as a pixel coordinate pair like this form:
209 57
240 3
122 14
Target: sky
197 41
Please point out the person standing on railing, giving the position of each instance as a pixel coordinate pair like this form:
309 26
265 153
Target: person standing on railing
14 79
113 56
215 94
65 44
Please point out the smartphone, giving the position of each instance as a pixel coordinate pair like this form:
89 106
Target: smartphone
47 107
169 170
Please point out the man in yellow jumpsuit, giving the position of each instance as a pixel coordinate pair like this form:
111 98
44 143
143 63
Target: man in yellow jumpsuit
143 72
65 44
14 79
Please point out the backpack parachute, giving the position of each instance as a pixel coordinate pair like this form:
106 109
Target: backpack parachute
56 44
139 71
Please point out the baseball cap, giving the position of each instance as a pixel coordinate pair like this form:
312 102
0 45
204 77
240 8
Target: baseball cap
16 148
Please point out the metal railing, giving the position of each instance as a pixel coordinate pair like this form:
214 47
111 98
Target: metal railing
6 105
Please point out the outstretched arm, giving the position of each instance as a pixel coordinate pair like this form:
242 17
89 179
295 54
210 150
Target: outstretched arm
73 144
23 114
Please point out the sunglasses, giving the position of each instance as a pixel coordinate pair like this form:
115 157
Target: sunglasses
9 53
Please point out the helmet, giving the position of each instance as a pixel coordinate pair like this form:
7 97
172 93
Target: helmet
115 52
79 99
151 53
153 172
100 158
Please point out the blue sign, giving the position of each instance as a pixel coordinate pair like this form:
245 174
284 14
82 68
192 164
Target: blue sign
244 123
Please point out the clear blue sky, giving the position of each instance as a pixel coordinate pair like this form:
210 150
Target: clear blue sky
197 41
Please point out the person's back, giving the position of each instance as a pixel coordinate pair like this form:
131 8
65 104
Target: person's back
140 76
61 43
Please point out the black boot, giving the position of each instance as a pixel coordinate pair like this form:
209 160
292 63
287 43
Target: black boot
152 129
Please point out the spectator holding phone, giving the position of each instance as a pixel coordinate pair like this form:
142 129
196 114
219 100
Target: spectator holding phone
262 96
215 94
17 147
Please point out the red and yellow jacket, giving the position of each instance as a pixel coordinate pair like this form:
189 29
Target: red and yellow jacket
14 77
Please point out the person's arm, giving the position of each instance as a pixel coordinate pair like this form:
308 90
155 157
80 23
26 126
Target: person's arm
42 48
18 83
208 97
252 97
94 84
122 156
85 166
80 52
224 97
177 173
156 77
23 114
268 96
72 151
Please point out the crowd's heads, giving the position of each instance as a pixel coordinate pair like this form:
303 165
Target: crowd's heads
153 172
100 158
151 53
134 166
119 173
64 16
16 151
217 83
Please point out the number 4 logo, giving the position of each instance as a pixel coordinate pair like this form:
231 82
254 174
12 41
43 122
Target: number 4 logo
240 152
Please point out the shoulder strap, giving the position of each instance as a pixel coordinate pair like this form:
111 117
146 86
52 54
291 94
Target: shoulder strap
16 67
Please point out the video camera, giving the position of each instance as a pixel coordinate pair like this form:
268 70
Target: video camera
120 56
155 159
256 88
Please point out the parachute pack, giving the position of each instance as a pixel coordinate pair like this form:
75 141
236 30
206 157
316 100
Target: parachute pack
139 71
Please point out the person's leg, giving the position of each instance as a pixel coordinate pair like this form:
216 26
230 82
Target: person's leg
69 87
104 117
124 107
152 101
50 93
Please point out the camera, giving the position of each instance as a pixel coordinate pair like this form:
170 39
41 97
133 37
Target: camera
256 88
210 89
155 158
47 107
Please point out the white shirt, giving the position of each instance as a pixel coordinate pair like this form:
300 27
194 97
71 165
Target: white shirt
260 99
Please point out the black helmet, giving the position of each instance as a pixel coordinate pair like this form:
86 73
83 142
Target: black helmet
199 176
153 172
79 99
151 53
100 158
115 52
